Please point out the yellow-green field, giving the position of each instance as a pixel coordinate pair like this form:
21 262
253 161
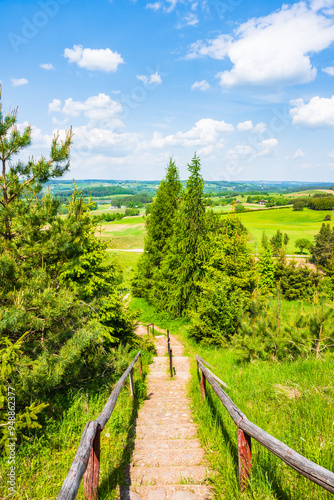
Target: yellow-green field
304 224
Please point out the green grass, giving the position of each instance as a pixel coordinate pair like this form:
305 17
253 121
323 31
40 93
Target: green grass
44 461
125 233
128 264
293 401
304 224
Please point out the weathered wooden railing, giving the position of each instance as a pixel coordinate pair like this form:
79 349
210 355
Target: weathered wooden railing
170 355
87 458
248 430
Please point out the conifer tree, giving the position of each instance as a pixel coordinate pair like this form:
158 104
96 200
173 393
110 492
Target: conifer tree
183 265
159 230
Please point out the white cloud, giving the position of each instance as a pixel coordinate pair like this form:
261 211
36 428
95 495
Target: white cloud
329 70
319 112
154 6
331 154
248 126
202 85
268 145
47 66
240 152
217 48
297 154
321 4
55 105
205 132
17 82
189 20
100 109
243 126
94 59
271 50
151 79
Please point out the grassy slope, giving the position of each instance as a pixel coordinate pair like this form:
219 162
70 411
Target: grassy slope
291 401
42 463
304 224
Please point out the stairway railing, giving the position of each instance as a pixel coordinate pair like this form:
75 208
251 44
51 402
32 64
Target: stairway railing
87 459
248 430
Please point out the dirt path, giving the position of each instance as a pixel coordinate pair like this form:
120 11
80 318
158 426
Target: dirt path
168 462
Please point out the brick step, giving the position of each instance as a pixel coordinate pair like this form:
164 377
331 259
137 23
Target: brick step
167 458
170 431
165 405
146 476
164 414
162 421
165 374
167 444
167 492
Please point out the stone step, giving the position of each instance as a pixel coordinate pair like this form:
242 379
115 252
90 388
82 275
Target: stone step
167 444
164 414
165 375
171 431
167 492
146 476
167 458
162 421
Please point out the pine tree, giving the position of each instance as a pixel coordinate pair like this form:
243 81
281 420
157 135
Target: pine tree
183 265
159 230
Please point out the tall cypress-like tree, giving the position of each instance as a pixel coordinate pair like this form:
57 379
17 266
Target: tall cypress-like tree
159 231
183 265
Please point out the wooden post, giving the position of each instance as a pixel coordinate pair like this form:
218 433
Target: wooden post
203 386
131 382
171 362
168 345
91 481
244 458
153 329
140 366
167 334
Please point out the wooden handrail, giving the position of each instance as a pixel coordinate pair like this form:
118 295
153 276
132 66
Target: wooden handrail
247 429
88 451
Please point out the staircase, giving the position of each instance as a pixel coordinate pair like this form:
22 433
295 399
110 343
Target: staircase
168 461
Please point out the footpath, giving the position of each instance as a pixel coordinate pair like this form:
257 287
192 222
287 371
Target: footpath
167 462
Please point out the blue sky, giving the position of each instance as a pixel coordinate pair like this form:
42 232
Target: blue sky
247 85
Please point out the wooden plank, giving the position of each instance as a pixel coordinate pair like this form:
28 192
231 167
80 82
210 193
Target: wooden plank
301 464
244 458
203 386
131 383
72 481
93 469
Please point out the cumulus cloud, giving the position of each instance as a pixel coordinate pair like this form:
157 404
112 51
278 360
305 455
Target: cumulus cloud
329 70
205 132
100 109
151 79
319 112
17 82
297 154
47 66
94 59
274 49
202 85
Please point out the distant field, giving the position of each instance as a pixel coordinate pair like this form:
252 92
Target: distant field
127 233
304 224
